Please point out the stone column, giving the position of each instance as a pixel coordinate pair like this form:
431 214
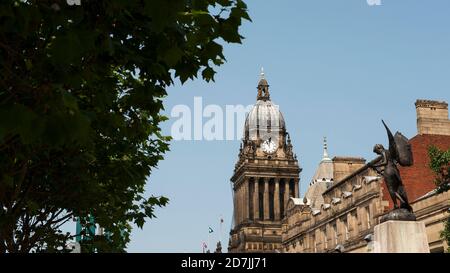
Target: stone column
256 199
286 192
235 205
241 203
276 199
296 189
266 199
246 200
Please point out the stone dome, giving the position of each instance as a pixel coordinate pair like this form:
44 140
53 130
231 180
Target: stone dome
264 119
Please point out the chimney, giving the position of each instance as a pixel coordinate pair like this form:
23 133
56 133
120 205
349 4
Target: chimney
344 166
432 117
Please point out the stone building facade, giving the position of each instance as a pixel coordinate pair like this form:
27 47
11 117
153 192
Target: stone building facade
266 175
341 217
346 216
345 198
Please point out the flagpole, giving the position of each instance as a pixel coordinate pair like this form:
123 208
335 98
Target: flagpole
220 229
209 240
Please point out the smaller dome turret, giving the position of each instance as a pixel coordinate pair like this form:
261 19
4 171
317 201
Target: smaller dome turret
263 87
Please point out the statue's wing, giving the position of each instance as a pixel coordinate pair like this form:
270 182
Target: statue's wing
392 147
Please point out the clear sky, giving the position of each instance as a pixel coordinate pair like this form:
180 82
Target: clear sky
335 68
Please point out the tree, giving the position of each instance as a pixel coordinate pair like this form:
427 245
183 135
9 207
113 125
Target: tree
445 234
440 164
81 89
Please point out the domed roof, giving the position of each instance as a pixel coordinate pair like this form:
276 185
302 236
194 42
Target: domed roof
264 118
322 179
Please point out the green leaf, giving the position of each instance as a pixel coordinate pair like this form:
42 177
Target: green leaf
18 119
7 181
172 56
28 64
66 49
208 74
69 100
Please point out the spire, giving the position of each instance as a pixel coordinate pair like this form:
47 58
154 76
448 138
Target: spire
325 150
263 87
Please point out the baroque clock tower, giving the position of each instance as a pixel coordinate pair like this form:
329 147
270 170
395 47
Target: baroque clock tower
265 176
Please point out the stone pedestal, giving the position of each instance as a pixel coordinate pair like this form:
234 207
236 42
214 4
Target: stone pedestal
400 237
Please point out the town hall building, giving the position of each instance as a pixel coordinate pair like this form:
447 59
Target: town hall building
265 177
345 198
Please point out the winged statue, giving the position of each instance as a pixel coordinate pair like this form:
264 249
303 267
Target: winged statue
399 153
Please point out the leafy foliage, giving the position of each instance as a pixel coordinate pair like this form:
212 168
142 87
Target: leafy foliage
445 234
440 164
81 91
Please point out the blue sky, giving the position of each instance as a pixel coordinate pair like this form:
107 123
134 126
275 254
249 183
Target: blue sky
335 68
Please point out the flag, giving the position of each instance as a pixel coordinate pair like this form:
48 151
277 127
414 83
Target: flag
210 230
204 246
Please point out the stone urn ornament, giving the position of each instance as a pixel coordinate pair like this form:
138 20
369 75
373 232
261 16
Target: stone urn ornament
399 153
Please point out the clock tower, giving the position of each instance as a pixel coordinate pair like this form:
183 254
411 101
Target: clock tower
265 176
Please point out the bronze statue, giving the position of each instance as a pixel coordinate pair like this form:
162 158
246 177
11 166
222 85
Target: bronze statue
399 152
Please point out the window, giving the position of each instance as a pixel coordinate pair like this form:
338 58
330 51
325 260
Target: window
325 239
346 232
355 222
335 234
314 243
368 216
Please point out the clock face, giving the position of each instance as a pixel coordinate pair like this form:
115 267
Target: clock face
269 146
